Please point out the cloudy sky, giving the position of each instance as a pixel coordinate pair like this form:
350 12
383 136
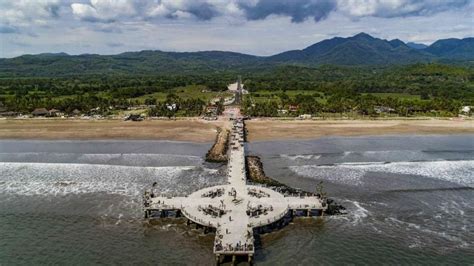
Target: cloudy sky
260 27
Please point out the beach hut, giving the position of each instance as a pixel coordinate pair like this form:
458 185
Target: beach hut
9 113
293 108
40 112
53 112
76 112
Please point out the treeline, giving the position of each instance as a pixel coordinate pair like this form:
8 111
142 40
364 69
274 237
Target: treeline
427 80
350 104
442 89
115 85
175 106
84 93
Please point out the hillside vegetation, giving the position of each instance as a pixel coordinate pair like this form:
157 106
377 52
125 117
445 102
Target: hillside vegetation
359 50
427 89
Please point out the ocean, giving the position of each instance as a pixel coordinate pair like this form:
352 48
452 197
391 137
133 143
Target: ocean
410 200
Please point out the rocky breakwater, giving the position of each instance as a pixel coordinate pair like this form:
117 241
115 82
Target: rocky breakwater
218 152
256 174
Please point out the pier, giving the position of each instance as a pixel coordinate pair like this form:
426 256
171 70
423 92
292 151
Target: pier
235 210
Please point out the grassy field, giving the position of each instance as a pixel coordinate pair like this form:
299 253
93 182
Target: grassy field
265 95
401 96
187 92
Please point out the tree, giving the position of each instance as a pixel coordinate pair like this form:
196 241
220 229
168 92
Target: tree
150 101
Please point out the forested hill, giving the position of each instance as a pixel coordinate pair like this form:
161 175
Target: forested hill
361 49
130 63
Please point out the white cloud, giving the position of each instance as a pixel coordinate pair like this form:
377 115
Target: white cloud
79 26
24 12
112 10
297 10
395 8
104 10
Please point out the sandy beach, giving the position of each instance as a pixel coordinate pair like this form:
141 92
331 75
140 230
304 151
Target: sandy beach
178 130
267 129
196 130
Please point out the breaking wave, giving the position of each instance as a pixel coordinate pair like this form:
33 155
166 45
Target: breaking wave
130 159
459 172
62 179
300 157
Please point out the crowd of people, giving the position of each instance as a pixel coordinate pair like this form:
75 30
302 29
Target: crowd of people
258 193
212 211
246 246
258 210
213 193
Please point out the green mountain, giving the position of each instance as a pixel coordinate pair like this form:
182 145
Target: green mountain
415 45
143 62
453 48
361 49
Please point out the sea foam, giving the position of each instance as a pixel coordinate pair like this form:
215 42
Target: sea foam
459 172
62 179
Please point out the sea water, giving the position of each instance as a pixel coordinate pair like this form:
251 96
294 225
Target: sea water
410 200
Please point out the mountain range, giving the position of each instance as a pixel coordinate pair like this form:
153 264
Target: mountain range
358 50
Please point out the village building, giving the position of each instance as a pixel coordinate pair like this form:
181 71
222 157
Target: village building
9 113
212 110
171 107
40 112
139 107
229 100
94 111
383 109
215 100
466 110
305 116
282 111
76 112
293 108
54 112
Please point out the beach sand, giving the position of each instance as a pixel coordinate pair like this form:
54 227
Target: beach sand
268 129
196 130
178 130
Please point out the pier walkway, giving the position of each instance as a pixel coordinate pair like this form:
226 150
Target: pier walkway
234 209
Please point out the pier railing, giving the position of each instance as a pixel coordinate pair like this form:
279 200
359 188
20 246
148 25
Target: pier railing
270 220
198 220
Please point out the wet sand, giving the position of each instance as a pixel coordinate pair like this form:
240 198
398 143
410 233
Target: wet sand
179 130
267 129
196 130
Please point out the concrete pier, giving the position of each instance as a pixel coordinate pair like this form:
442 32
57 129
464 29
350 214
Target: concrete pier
234 209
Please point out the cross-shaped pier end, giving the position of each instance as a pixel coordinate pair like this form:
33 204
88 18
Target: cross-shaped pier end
236 208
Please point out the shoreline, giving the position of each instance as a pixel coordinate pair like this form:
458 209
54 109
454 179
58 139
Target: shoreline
202 131
199 131
273 130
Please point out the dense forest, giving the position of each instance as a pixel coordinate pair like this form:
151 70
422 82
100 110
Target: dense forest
359 50
402 90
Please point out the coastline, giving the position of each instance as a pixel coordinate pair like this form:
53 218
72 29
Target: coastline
198 130
191 130
270 129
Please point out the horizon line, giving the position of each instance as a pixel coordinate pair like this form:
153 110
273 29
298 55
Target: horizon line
226 51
